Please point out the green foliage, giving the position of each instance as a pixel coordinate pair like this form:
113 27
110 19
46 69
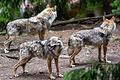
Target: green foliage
93 4
39 5
116 72
73 75
9 10
116 6
90 8
95 72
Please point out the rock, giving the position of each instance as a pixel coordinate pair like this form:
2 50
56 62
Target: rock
1 65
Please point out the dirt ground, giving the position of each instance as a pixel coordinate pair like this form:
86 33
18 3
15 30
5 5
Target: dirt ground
37 68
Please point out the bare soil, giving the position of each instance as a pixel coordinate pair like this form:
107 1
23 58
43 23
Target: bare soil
37 68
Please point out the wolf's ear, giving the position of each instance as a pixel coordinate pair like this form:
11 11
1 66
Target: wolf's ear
103 18
47 6
55 7
113 18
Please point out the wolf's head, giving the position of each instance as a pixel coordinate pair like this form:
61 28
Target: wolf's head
55 44
108 24
49 13
55 41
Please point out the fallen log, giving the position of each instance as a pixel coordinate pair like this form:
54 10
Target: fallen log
87 19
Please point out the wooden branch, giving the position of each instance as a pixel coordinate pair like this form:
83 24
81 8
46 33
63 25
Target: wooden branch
11 57
83 19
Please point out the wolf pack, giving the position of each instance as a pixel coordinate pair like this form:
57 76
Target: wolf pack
51 48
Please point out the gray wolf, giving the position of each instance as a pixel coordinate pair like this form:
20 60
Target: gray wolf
47 49
98 37
38 24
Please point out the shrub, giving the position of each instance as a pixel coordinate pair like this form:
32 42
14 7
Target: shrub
95 72
116 6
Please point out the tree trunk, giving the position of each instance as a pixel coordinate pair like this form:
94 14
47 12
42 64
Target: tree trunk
106 6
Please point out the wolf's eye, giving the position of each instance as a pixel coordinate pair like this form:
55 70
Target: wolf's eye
59 43
107 24
49 18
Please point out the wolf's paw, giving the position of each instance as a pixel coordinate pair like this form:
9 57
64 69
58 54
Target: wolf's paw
73 65
25 72
101 61
6 51
16 75
60 75
52 77
108 61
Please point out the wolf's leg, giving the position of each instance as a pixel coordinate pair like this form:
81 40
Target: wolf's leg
73 61
104 52
22 63
57 67
7 43
70 52
72 57
41 34
46 33
49 62
23 66
99 54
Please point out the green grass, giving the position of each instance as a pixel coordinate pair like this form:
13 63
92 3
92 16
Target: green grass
97 71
